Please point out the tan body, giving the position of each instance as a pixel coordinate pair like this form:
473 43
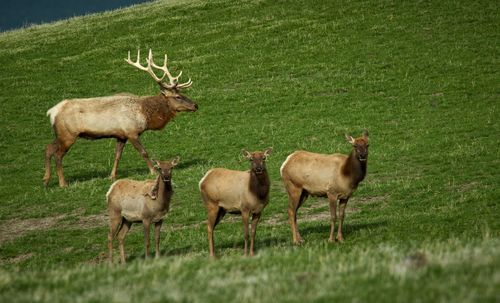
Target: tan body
124 117
319 174
130 201
335 176
238 192
230 188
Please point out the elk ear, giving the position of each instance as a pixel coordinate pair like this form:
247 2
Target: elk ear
365 134
246 154
157 164
349 139
175 161
268 151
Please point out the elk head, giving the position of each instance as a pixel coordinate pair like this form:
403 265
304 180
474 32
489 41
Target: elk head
258 159
360 146
170 90
165 168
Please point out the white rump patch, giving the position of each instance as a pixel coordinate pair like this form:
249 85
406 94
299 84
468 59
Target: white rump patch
284 163
204 177
111 189
52 113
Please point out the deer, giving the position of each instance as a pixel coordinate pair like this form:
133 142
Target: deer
237 192
131 201
123 117
335 176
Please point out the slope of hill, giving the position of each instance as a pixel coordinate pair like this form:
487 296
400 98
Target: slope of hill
421 77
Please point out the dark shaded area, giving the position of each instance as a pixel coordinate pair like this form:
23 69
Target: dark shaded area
22 13
348 228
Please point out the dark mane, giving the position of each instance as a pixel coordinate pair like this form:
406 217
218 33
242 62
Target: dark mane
259 184
157 111
354 169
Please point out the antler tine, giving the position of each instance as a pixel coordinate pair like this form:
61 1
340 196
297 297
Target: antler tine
147 68
150 64
138 56
185 85
173 80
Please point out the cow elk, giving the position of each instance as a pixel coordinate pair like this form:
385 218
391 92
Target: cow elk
123 117
335 176
132 201
236 192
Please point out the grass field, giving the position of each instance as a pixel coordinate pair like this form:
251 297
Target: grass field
422 77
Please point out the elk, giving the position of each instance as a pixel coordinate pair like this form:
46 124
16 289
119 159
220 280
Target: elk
335 176
132 201
236 192
123 117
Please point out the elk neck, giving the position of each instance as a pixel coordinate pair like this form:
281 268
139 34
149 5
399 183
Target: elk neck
354 169
259 184
164 189
157 111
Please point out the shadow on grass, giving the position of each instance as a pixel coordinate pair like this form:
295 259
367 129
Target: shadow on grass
324 229
164 252
88 174
260 243
177 251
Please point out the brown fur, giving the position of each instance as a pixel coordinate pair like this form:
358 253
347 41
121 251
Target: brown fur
157 112
335 176
238 192
124 117
129 202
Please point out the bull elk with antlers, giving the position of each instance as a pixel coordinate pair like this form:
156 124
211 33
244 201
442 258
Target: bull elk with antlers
123 117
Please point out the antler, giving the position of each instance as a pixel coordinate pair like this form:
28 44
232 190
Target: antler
174 84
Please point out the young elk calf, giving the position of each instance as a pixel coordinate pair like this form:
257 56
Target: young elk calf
335 176
132 201
236 192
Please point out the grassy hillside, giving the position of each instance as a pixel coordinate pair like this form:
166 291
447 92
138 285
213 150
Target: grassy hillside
421 77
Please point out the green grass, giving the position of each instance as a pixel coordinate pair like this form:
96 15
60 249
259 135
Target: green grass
422 77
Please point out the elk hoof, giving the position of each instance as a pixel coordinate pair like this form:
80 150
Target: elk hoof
298 242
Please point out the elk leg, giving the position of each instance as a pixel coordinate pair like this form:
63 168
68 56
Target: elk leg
212 211
296 197
255 220
303 196
220 215
138 146
49 153
293 201
63 147
245 215
114 225
120 144
146 224
121 238
333 215
157 238
342 205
